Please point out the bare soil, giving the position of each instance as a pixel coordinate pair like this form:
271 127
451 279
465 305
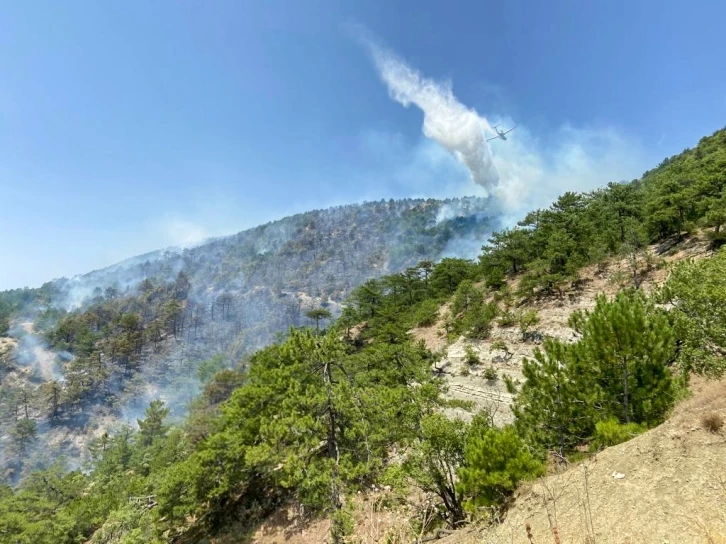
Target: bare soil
667 485
467 383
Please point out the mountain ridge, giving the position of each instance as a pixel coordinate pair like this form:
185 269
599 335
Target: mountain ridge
137 330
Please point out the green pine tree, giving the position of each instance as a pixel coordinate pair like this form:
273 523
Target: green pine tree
697 292
554 407
495 462
627 345
435 459
152 426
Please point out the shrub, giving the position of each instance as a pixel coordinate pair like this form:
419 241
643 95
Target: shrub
495 461
476 322
467 405
611 432
527 320
472 357
4 325
495 279
490 373
507 319
510 384
500 345
426 313
712 422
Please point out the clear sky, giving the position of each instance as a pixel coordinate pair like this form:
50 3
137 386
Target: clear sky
129 126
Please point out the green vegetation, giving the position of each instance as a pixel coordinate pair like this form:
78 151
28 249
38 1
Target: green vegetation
469 465
311 422
617 370
147 324
550 246
472 316
528 320
495 461
13 301
328 411
317 315
697 292
471 357
113 336
611 432
434 461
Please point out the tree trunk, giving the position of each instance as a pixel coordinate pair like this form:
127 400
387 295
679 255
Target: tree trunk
333 453
560 434
25 403
626 391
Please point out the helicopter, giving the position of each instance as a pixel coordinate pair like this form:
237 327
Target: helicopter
501 134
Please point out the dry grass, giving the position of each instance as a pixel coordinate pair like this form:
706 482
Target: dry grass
712 422
674 488
378 517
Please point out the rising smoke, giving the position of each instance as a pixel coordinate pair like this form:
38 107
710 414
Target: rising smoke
521 174
447 121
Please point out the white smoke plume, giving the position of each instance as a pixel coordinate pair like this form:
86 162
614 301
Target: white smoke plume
535 172
33 351
458 129
521 174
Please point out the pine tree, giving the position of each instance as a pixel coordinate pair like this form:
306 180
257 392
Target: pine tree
697 292
448 274
528 320
495 462
555 407
23 434
317 315
627 344
315 420
436 458
152 426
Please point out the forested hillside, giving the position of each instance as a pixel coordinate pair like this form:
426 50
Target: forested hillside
341 406
89 352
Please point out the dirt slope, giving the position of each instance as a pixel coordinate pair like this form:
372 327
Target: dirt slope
672 489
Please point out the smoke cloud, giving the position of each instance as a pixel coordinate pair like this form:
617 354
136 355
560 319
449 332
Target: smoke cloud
460 130
521 174
32 351
536 172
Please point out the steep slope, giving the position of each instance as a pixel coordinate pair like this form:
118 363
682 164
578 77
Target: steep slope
506 346
343 427
321 253
673 489
94 350
667 485
670 487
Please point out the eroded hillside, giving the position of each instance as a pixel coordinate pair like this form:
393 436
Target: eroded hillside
502 352
667 485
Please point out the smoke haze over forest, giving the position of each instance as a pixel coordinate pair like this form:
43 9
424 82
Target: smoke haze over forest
141 158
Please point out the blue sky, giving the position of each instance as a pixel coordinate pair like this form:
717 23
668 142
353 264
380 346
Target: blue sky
128 126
